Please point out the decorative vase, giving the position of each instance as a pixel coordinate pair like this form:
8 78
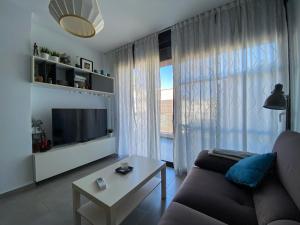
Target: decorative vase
54 58
44 55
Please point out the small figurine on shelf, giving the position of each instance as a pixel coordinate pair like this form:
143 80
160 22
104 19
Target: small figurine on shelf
35 49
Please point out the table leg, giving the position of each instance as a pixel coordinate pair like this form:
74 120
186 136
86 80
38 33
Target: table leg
110 216
76 205
163 183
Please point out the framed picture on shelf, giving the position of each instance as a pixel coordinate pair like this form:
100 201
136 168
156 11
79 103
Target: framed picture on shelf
86 64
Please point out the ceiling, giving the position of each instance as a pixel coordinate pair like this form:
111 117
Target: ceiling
127 20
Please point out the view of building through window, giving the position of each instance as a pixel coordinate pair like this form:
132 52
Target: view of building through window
166 112
166 104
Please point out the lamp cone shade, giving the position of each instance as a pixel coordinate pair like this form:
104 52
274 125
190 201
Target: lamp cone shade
81 18
277 100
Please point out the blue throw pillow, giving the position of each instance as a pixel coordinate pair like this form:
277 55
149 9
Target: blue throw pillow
251 170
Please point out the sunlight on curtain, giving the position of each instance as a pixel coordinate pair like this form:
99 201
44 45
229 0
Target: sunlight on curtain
146 122
226 62
137 97
294 29
121 63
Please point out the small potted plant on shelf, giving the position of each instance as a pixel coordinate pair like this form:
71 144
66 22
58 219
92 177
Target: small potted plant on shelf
54 56
40 143
45 52
110 132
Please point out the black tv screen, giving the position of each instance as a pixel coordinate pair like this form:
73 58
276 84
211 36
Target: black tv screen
78 125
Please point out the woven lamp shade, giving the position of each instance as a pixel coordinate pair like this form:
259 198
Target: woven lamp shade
81 18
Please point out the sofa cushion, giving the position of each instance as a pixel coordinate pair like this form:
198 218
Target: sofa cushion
214 163
210 193
272 202
287 147
178 214
251 170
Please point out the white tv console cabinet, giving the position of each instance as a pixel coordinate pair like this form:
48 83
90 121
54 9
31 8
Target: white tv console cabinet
64 158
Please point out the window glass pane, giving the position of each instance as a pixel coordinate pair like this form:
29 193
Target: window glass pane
166 121
166 109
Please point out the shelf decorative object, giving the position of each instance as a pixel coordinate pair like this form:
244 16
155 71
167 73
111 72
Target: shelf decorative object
80 18
66 59
110 132
86 64
40 143
54 56
45 52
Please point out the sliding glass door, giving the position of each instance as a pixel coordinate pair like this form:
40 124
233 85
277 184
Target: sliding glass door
166 111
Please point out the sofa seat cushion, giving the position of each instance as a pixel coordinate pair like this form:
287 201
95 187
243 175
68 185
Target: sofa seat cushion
178 214
272 202
210 193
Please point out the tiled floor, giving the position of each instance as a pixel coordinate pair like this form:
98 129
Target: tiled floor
50 202
166 148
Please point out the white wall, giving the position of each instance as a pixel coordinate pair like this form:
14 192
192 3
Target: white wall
294 31
15 121
19 101
45 35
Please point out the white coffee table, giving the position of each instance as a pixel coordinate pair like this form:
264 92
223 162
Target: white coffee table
123 194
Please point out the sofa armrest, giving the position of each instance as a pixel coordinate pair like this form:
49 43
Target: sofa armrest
284 222
178 214
214 163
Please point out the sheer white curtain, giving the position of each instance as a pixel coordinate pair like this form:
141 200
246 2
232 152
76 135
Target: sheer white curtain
137 97
226 62
121 63
146 123
294 60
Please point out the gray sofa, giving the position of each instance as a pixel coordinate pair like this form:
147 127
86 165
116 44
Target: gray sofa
207 198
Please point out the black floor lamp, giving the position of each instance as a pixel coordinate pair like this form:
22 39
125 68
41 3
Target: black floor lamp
279 101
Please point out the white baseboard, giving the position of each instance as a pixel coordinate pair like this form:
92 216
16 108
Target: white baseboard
17 189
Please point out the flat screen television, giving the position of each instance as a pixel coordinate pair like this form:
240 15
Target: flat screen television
78 125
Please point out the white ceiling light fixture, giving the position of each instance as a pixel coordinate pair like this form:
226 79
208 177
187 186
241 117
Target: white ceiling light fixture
81 18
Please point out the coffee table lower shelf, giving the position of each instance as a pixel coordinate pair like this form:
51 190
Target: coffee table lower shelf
96 215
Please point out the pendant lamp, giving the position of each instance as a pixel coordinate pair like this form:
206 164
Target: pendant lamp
81 18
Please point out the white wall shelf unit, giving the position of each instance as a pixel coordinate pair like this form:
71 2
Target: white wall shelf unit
66 66
98 84
63 158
